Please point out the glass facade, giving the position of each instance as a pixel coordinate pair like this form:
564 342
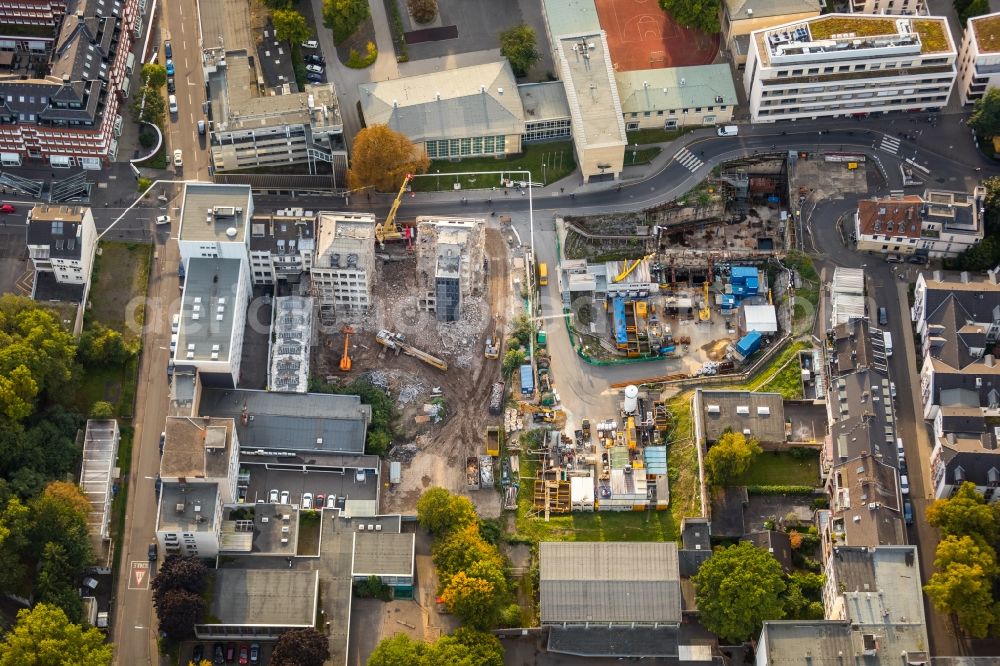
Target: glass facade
481 145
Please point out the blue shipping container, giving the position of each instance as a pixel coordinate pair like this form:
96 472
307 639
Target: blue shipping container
749 343
527 379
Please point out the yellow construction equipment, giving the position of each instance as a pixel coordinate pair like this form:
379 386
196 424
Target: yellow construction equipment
394 341
389 230
493 341
345 360
627 270
706 312
630 438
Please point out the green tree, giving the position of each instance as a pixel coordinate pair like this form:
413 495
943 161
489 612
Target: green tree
15 523
738 588
973 9
524 328
180 572
512 360
699 14
964 513
985 118
382 158
803 598
101 346
102 410
460 550
44 636
518 45
467 647
398 650
149 106
290 26
441 512
966 591
55 583
730 457
344 16
154 76
44 449
58 516
980 257
301 647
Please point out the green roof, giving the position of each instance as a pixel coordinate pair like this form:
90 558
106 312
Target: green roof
571 17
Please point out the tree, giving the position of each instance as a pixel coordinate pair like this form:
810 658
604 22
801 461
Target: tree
382 158
985 118
524 328
55 583
154 76
344 17
149 106
101 346
69 494
738 588
423 11
472 600
279 4
460 550
517 44
180 572
730 457
301 647
290 26
59 516
468 648
179 611
441 512
803 598
964 590
102 410
44 449
44 636
701 15
974 8
398 650
964 513
512 360
980 257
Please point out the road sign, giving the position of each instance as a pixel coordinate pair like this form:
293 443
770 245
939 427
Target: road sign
139 575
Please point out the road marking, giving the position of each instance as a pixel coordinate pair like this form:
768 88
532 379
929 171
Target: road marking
688 160
889 144
182 28
138 575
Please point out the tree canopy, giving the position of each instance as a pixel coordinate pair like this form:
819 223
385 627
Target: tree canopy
465 647
964 513
441 512
738 588
985 118
44 636
460 549
381 159
301 647
344 16
154 75
699 14
518 45
730 457
290 26
177 589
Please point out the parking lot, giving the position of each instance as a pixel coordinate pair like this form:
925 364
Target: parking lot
188 650
345 485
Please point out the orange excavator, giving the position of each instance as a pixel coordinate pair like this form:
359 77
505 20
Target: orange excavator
345 360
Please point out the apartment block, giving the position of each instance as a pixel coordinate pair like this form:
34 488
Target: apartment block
965 451
345 261
676 96
72 116
41 13
28 31
740 18
62 240
841 65
450 253
282 246
251 130
979 57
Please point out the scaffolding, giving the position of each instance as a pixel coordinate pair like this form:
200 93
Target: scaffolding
289 368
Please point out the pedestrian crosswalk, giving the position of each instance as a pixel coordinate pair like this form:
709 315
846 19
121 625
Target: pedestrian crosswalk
688 160
889 144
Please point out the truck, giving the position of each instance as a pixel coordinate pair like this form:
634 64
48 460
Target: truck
543 274
492 440
541 339
496 398
486 471
527 380
472 473
887 338
585 427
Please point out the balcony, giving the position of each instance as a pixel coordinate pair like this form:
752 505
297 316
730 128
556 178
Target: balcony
930 233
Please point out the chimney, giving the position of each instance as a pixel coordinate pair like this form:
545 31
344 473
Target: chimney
937 276
990 360
992 273
964 277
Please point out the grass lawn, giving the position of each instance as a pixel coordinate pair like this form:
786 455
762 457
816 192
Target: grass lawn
656 135
782 468
308 542
557 158
643 156
158 160
121 497
787 382
121 274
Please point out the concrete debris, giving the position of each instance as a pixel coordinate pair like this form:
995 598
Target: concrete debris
408 393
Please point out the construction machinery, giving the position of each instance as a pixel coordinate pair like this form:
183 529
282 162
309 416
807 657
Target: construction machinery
345 360
396 342
389 230
493 438
493 341
627 270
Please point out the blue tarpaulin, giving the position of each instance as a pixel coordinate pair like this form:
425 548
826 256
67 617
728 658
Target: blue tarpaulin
621 337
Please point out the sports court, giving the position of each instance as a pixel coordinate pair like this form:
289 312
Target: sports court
642 36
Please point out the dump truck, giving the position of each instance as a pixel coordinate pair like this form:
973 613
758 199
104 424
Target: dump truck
492 440
585 427
496 398
396 342
541 339
472 473
486 471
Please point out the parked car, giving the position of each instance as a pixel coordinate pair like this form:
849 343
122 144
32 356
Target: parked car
172 103
320 500
163 440
175 323
230 652
7 208
171 86
162 220
254 653
273 496
316 59
197 653
173 343
359 476
331 501
178 158
284 497
317 69
892 389
904 484
244 655
313 77
168 50
151 553
918 259
307 500
908 512
310 44
201 127
883 316
170 67
894 259
218 654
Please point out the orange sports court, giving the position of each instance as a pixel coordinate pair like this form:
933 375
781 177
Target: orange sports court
642 36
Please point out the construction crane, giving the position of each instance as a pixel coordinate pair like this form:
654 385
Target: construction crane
345 360
706 312
394 341
627 270
389 230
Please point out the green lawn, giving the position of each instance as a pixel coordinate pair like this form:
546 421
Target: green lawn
787 382
557 158
642 156
121 275
782 468
656 135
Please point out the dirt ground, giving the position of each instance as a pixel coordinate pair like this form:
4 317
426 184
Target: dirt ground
433 453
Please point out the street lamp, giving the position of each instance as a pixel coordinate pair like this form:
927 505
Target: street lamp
438 179
544 179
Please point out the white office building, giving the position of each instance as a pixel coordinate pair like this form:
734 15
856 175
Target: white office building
345 260
62 240
215 221
979 57
841 65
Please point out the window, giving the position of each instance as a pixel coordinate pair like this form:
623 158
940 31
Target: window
631 126
635 114
645 114
659 113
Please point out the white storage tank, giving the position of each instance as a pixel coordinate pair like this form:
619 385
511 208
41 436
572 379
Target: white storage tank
631 399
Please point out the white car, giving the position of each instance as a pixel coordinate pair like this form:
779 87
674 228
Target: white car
359 476
307 501
284 497
315 69
172 102
178 158
331 501
162 219
173 343
273 497
310 44
175 323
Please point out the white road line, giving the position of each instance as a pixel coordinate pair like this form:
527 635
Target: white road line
182 28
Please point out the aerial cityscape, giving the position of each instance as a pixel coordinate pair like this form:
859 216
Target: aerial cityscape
481 333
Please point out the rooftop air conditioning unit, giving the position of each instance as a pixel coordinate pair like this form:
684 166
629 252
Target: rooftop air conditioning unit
361 528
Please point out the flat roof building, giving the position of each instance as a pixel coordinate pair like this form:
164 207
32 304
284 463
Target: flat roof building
282 245
741 17
390 556
290 345
979 57
97 474
261 603
344 262
62 241
757 415
677 96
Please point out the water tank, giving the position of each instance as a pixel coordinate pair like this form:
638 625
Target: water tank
631 398
231 232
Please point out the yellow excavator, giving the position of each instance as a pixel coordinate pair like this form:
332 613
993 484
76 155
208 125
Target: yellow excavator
627 270
389 230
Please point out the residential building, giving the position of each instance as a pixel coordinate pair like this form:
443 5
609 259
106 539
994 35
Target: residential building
344 262
888 225
72 115
611 599
957 321
938 224
742 17
212 319
884 7
28 31
62 240
451 254
251 130
261 604
847 295
979 57
198 473
676 96
97 477
965 451
282 246
841 65
215 222
32 13
390 556
291 340
755 414
454 113
777 543
866 505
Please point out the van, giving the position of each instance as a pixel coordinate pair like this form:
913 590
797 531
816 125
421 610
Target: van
887 338
883 316
728 130
543 275
904 484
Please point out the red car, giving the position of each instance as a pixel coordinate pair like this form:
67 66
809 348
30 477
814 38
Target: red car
7 208
244 655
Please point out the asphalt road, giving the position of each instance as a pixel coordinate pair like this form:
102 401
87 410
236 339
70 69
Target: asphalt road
180 25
